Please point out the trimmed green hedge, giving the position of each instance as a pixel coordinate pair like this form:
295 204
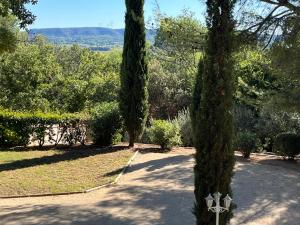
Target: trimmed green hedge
18 128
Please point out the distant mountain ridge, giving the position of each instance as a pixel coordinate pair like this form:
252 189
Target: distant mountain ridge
89 31
101 38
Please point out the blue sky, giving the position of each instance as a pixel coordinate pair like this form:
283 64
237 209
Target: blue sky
100 13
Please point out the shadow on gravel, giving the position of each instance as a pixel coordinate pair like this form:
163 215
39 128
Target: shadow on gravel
56 215
167 202
266 192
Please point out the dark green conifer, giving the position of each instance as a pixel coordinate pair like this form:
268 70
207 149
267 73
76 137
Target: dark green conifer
134 71
212 112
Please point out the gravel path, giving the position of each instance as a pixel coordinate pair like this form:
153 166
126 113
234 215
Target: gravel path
158 190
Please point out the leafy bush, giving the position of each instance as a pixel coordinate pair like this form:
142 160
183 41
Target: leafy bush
19 128
15 129
10 137
185 124
246 142
273 122
287 145
106 124
165 133
245 118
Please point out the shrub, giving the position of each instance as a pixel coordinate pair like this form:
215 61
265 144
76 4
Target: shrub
245 118
246 142
287 145
106 124
185 124
165 133
19 128
15 129
273 122
9 137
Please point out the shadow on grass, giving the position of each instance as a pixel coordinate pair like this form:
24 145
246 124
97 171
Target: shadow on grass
67 155
59 148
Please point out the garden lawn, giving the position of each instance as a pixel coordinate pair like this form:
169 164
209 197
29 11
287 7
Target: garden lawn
59 171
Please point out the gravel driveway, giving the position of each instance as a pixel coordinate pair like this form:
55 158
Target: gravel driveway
158 190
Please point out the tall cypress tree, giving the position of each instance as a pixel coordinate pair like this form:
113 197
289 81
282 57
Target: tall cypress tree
134 71
212 112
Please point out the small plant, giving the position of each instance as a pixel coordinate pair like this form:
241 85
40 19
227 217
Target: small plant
165 133
246 143
287 145
106 124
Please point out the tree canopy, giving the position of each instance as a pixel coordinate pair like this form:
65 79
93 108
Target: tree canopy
18 9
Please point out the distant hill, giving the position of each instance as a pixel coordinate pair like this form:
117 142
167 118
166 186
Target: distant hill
96 38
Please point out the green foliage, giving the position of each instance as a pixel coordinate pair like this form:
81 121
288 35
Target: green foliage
44 77
134 72
170 88
19 128
212 118
106 124
185 125
11 135
272 122
245 118
195 107
165 133
180 35
255 80
23 75
173 65
246 143
287 145
8 33
285 55
18 8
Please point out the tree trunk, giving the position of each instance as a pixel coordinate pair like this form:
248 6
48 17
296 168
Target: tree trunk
131 139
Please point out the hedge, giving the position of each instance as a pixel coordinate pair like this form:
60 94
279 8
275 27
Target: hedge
287 145
19 128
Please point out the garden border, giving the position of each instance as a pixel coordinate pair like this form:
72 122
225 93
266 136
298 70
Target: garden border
115 181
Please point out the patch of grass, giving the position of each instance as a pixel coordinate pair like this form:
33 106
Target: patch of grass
56 171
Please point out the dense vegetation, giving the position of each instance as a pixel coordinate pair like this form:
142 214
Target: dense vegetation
189 87
39 76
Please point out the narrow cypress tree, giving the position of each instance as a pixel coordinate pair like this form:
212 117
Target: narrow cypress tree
212 112
134 71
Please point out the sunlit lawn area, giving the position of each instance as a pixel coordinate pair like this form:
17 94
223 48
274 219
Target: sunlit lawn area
55 171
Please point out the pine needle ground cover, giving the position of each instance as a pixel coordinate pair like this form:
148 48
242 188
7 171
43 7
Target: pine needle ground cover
35 172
